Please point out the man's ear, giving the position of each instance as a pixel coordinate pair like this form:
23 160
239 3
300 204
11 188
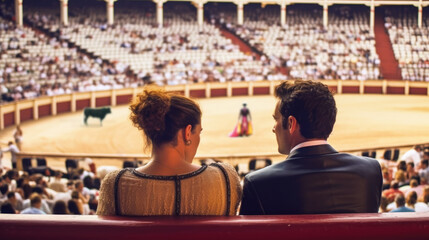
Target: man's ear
292 124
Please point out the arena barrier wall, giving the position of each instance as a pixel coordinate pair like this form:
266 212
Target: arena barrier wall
26 110
390 226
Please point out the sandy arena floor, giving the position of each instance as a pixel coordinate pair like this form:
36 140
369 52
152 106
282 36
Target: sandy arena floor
363 121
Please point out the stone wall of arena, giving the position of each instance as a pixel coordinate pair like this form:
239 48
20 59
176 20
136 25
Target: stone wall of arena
33 109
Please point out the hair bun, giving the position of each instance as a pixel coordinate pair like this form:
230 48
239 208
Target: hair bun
148 111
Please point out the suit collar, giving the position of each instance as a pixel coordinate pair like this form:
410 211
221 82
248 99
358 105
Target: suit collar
312 150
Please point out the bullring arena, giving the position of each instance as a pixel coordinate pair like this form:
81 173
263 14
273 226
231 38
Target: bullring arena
59 57
364 121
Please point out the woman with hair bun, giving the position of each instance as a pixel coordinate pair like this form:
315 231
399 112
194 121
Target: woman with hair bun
170 184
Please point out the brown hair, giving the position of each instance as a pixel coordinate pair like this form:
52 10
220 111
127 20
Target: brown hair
35 199
426 194
411 198
161 115
311 103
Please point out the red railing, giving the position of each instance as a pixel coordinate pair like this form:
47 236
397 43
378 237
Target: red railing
328 226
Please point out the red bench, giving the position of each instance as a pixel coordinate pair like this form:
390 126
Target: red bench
330 226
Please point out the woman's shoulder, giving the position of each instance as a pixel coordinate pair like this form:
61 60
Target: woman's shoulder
224 167
111 176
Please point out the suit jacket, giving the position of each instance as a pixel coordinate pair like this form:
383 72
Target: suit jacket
314 180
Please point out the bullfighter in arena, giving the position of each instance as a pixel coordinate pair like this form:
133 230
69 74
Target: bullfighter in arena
244 124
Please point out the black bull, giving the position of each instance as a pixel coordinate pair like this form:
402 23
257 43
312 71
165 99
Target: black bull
95 113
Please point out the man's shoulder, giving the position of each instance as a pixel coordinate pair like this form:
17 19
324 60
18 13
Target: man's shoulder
266 172
293 165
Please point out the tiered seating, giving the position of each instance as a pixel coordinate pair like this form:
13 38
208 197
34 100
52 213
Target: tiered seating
344 50
410 43
180 52
34 64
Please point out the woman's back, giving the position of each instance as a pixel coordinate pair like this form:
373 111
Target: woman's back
211 190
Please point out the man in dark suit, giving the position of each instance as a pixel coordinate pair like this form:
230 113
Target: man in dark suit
314 178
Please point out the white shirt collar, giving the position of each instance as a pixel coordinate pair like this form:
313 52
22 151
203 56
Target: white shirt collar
308 144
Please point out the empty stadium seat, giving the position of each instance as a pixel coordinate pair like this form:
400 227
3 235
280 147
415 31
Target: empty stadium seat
387 154
41 162
26 164
71 164
132 164
395 155
258 163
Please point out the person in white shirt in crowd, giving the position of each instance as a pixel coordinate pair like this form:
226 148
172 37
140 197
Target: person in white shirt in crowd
424 172
57 185
413 155
13 149
44 206
36 204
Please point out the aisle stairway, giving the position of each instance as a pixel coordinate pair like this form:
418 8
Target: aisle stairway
389 67
244 47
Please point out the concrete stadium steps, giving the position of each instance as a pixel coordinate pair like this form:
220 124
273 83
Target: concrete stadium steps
389 66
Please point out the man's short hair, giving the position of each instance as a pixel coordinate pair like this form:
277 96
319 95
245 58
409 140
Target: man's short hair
394 185
311 103
10 195
399 200
12 174
78 183
414 183
35 199
4 188
37 189
425 162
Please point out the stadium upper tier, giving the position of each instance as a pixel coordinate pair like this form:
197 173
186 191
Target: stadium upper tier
89 54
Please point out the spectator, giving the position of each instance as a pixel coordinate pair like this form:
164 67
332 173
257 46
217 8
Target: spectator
425 197
386 179
172 125
73 207
411 202
314 178
411 172
83 192
383 205
424 172
411 199
60 207
1 162
18 135
400 203
7 208
16 200
36 204
400 177
57 185
44 205
391 193
414 186
4 188
13 149
413 155
76 198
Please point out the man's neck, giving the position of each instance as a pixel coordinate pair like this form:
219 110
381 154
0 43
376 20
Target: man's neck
309 143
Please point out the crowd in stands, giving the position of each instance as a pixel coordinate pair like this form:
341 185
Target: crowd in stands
409 42
343 50
406 183
34 64
24 192
46 58
180 52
